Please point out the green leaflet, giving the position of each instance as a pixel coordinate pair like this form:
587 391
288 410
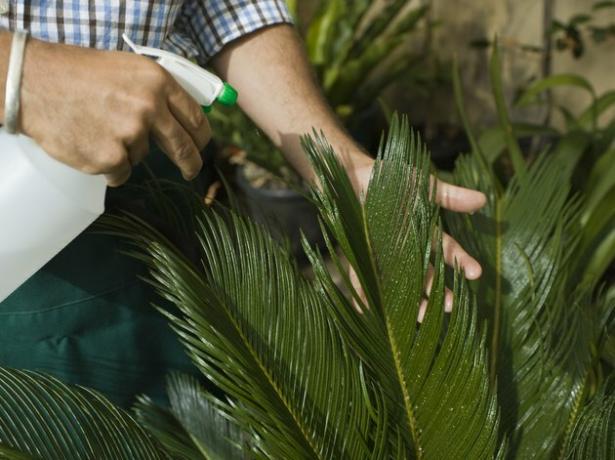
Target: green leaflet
195 426
540 86
41 416
594 431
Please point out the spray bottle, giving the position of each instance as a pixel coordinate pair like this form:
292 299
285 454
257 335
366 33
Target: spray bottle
44 204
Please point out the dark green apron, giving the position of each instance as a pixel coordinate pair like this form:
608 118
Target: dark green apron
87 319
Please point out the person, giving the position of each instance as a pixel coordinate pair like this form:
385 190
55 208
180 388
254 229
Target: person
85 317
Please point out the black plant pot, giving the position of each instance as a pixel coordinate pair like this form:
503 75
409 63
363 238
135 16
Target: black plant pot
445 143
285 212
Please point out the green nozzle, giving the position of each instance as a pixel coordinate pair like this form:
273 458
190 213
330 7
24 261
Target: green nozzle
228 96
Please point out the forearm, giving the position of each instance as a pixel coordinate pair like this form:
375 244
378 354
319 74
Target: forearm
278 91
5 48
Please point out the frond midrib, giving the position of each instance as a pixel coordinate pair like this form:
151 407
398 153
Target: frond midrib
411 418
408 407
495 338
272 382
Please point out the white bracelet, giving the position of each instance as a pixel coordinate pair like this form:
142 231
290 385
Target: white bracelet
13 82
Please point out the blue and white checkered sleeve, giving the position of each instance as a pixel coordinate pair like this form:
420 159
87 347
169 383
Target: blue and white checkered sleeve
214 23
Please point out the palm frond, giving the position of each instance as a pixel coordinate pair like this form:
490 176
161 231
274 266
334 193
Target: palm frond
44 418
434 376
539 338
257 330
593 435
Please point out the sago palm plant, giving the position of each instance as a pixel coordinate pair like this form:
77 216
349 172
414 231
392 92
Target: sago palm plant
313 369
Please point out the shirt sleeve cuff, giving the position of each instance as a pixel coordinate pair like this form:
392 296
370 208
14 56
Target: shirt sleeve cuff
231 19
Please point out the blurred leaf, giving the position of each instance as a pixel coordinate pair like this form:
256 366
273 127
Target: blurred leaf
480 43
293 8
580 19
600 181
200 415
374 30
597 250
604 4
165 427
319 36
561 80
493 140
6 453
597 108
43 417
568 152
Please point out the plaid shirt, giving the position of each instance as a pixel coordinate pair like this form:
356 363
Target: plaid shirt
196 29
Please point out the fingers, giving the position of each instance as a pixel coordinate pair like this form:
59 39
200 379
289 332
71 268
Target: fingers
455 255
177 144
458 199
191 117
448 296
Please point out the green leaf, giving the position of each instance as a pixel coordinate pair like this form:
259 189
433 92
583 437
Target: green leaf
600 181
495 72
377 26
597 108
204 419
603 4
47 419
165 427
492 141
530 95
580 19
594 432
259 331
387 243
597 249
7 453
524 237
319 36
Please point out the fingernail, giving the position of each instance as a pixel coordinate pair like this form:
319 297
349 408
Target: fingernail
422 311
448 302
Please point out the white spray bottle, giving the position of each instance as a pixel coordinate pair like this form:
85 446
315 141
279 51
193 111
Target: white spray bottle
45 204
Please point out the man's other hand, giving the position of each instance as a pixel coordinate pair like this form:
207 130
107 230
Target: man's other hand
96 110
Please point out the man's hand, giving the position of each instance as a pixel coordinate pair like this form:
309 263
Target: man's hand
95 110
449 197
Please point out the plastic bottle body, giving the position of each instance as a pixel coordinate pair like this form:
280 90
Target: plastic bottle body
44 205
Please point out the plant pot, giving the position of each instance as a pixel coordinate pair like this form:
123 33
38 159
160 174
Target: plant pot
285 211
445 143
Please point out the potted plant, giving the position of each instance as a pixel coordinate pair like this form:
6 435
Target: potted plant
519 369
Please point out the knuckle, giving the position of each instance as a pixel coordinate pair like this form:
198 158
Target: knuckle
184 151
196 117
147 107
158 76
113 159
